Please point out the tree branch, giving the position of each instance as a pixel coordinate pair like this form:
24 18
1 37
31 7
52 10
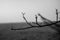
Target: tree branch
48 23
26 20
36 17
56 26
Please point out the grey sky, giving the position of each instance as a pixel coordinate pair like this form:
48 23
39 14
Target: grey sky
10 10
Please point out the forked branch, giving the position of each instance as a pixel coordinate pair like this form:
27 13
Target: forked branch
36 19
45 20
48 23
26 20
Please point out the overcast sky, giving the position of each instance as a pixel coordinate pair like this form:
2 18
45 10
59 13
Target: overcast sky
10 10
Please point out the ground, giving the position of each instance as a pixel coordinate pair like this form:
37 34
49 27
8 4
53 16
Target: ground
44 33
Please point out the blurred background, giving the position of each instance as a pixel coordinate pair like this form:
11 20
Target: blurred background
10 10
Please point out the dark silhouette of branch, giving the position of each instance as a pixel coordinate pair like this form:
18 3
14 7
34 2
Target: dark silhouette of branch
36 17
26 20
56 14
47 21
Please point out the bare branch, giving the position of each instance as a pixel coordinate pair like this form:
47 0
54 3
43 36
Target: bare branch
56 14
25 19
36 17
56 26
47 21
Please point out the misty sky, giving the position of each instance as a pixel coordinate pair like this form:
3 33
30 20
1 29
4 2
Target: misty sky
10 10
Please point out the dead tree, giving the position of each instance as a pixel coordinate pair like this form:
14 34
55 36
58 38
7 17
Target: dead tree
27 23
48 23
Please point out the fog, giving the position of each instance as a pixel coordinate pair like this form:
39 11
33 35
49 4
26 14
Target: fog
10 10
